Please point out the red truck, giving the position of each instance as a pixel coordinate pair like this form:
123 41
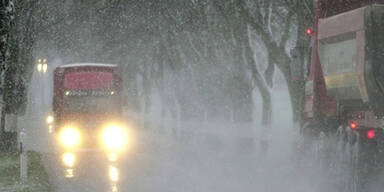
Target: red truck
87 107
344 88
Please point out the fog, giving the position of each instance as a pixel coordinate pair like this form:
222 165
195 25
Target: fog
212 96
195 103
206 155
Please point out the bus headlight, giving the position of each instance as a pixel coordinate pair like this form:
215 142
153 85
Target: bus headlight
70 137
114 138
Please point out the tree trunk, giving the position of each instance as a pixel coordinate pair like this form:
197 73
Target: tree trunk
243 54
295 88
263 89
268 74
296 92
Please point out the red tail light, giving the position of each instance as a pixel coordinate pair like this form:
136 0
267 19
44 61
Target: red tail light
353 125
371 134
309 31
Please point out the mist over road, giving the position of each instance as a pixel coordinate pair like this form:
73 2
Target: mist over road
190 160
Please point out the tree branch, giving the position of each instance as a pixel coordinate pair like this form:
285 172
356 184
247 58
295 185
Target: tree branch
287 27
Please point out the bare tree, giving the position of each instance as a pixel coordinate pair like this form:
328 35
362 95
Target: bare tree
289 15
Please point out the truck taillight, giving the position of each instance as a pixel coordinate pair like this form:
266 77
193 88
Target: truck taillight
309 31
371 134
353 125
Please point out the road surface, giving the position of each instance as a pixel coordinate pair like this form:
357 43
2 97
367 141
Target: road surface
164 162
157 164
205 162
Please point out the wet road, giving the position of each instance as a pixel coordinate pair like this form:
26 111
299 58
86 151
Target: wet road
157 165
206 162
162 162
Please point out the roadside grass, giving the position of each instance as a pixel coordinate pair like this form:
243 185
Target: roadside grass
10 170
9 166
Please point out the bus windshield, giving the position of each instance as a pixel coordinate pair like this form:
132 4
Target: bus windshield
90 104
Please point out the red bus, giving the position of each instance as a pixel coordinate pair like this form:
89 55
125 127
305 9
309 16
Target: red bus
87 106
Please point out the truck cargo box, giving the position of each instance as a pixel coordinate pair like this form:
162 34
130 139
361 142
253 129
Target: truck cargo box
351 48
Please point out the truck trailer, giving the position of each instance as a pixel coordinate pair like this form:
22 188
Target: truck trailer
344 87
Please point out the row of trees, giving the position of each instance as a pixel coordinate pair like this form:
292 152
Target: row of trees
7 22
201 58
221 49
21 24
